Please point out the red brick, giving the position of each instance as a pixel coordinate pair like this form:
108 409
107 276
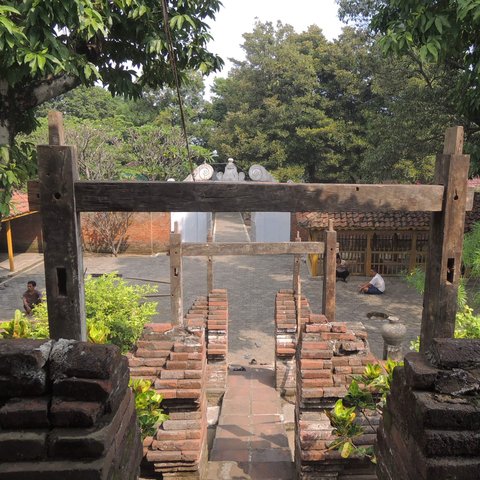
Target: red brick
189 384
169 445
193 374
164 435
312 393
165 384
20 413
154 345
181 425
145 353
308 345
340 361
185 393
175 374
317 382
341 369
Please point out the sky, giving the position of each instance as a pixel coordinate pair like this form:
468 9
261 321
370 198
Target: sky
237 17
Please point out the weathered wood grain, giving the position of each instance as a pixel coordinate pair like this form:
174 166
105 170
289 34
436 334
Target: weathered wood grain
56 132
256 197
445 248
176 278
62 242
329 273
234 248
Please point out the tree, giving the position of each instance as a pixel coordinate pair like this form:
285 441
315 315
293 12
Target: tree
50 47
444 34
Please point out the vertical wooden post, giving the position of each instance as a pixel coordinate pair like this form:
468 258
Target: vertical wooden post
8 233
329 273
413 253
445 243
57 169
297 287
176 281
368 254
209 265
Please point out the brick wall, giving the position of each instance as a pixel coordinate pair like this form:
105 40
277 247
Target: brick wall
175 360
26 234
431 423
66 412
148 233
329 353
217 344
286 340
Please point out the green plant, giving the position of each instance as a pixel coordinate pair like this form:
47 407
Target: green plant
365 392
18 327
147 404
116 312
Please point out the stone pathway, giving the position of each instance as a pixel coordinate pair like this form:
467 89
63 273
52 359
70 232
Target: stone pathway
251 441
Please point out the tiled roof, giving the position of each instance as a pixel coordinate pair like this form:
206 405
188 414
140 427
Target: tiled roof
18 204
380 220
366 220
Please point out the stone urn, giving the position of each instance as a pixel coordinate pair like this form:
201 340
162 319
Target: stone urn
393 333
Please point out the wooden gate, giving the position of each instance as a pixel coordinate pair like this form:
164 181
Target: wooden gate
63 197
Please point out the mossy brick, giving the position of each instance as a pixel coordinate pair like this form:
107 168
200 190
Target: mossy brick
75 414
432 412
22 446
23 355
84 360
86 389
451 353
70 443
24 383
25 413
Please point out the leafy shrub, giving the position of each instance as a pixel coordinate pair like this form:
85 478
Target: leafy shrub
18 327
147 404
365 392
115 311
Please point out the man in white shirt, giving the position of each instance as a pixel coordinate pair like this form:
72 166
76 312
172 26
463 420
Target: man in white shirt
376 286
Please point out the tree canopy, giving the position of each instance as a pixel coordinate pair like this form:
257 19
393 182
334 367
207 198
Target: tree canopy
50 47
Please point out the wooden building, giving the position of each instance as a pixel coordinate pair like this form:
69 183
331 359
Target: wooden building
394 242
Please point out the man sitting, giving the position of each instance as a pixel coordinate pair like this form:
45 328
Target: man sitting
31 297
376 286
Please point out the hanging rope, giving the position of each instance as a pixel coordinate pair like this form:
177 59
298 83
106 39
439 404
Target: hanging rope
173 64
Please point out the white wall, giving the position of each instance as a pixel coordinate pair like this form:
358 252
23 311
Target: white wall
193 226
270 227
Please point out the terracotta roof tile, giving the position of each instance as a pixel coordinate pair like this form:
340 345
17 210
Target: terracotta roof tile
380 220
18 204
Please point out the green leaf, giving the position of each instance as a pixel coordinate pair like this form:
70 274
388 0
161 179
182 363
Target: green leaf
347 450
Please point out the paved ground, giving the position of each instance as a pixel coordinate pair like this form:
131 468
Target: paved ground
251 441
251 282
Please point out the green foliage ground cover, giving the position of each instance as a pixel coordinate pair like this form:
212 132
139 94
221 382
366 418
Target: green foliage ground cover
116 313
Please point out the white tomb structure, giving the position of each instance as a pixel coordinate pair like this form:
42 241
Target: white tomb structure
266 226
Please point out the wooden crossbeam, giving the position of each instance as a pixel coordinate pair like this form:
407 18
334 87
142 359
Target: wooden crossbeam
238 248
258 197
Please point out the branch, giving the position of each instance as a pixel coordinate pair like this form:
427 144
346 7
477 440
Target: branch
44 90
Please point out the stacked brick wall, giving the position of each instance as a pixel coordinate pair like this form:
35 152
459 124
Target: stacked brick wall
66 412
217 344
175 360
430 425
329 353
286 339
